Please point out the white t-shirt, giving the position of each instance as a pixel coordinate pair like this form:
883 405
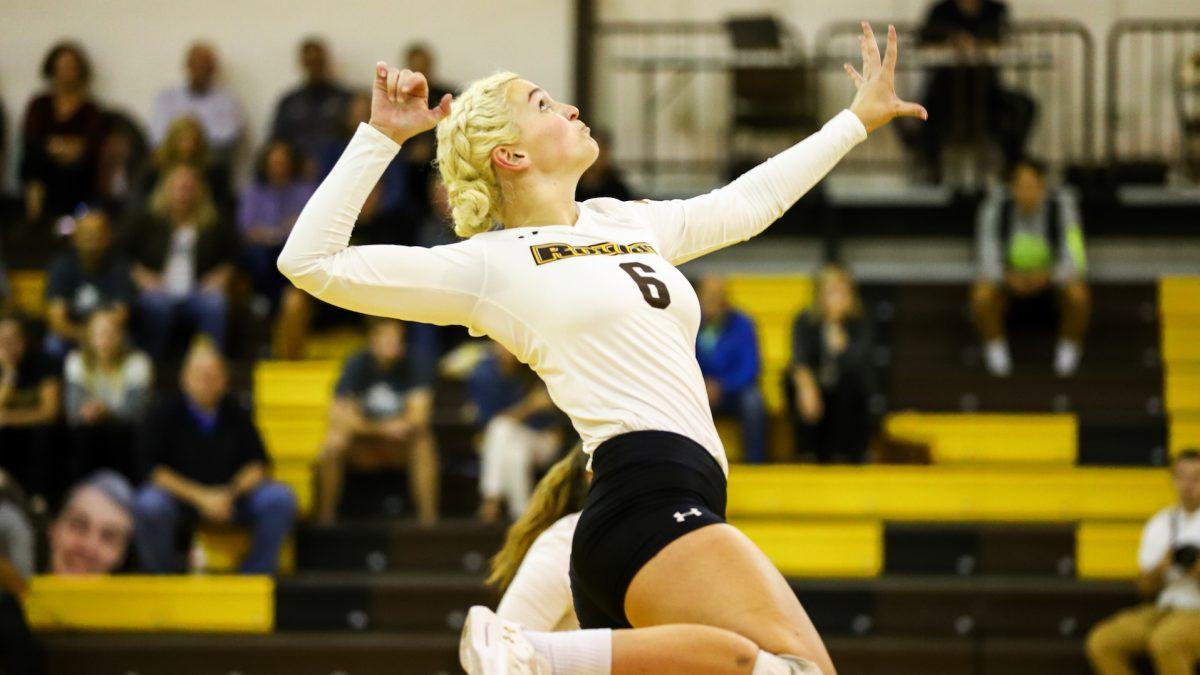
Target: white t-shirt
1167 530
179 270
539 597
597 309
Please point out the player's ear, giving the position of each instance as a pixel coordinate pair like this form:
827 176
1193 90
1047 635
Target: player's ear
511 158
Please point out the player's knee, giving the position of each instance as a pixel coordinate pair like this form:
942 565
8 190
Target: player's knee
782 639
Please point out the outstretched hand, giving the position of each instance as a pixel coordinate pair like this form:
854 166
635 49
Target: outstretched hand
400 103
876 102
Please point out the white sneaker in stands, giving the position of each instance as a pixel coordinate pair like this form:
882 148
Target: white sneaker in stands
493 646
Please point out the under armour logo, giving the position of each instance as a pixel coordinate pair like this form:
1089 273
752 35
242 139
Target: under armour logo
680 516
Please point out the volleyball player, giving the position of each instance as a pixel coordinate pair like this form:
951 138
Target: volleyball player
589 296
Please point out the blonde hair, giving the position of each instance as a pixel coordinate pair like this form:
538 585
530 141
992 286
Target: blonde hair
206 209
560 492
829 273
168 155
480 120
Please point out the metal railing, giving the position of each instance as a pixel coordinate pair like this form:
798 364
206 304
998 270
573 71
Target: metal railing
1151 96
663 89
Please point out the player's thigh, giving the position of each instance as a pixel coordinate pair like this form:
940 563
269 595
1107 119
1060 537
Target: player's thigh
717 577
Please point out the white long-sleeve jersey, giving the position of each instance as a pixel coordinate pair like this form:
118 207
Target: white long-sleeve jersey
597 309
539 597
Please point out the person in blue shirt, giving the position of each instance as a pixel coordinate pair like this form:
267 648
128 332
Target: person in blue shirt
727 350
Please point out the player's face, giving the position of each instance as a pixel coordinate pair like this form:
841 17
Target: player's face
555 140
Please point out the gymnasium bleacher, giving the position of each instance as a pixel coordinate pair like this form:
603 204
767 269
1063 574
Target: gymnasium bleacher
996 558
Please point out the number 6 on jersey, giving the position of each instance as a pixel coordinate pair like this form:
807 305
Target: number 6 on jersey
653 290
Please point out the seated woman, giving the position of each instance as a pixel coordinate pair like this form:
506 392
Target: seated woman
516 416
108 386
183 255
268 209
831 375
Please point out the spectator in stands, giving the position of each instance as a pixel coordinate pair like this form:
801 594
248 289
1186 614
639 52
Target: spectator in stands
186 144
381 417
183 255
727 350
92 531
602 179
90 276
122 162
204 460
62 134
269 208
416 156
201 97
831 375
1168 629
29 404
967 95
516 416
311 116
20 652
1030 244
107 391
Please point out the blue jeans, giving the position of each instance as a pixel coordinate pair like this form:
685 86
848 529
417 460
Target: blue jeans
747 405
269 510
159 312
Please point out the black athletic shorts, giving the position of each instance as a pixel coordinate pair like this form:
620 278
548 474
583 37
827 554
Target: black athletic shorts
649 488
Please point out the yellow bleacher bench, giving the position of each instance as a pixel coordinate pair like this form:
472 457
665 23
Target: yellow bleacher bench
195 603
772 301
961 438
947 493
849 548
1107 550
29 291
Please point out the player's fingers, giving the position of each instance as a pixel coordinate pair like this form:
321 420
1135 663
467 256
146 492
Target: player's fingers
854 76
414 85
381 71
872 47
866 56
393 79
889 57
443 107
906 109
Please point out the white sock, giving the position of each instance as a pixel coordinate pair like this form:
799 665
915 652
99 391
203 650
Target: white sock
1066 359
995 354
770 664
575 652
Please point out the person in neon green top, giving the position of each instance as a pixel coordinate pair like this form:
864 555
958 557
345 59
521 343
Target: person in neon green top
1029 240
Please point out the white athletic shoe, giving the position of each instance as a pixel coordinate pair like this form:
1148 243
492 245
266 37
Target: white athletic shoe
492 646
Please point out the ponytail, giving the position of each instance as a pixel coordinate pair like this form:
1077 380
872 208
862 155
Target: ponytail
560 492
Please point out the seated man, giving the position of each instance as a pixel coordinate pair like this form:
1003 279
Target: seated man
1168 629
92 531
30 396
727 350
1030 245
89 276
516 416
204 460
962 98
381 418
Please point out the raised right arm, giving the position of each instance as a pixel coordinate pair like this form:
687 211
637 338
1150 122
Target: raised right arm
433 285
